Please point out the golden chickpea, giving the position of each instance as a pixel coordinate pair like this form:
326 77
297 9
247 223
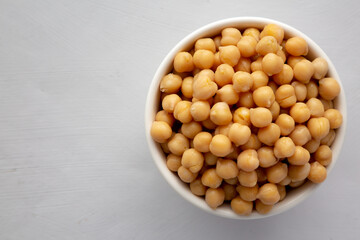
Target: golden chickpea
327 104
203 59
187 87
312 90
204 88
296 46
205 44
267 44
197 188
226 168
186 175
285 96
242 116
211 179
300 112
230 191
300 135
182 111
282 191
295 184
217 41
303 71
253 143
300 90
262 208
220 145
242 81
272 64
268 194
160 131
170 83
253 32
200 110
228 94
210 159
229 55
260 79
292 60
277 173
300 157
191 129
281 53
217 61
241 207
335 118
286 124
173 162
298 173
286 181
312 145
248 160
247 179
220 114
183 62
266 157
284 147
214 197
317 172
285 76
223 129
165 117
316 107
192 160
202 141
178 144
239 134
208 124
224 74
169 102
230 36
164 147
248 193
321 68
256 65
247 45
246 100
329 139
318 127
244 65
275 110
264 96
269 134
260 117
273 30
323 155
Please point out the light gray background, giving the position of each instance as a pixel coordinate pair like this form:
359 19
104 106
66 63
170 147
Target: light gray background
74 163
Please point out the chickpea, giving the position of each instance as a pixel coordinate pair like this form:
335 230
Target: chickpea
178 144
253 143
248 160
230 192
300 135
253 32
230 36
243 65
327 104
285 96
170 83
269 134
317 172
262 208
268 194
164 147
220 113
300 90
220 145
208 124
224 74
223 129
211 179
267 44
282 191
187 87
248 193
242 116
323 155
183 62
242 81
312 145
260 117
285 76
299 173
273 86
266 157
286 124
261 175
229 55
286 181
210 159
203 59
226 168
260 79
247 45
241 207
335 118
296 46
202 141
300 112
217 61
318 127
165 117
272 64
275 110
329 139
204 88
277 173
228 94
214 197
312 90
316 107
205 44
182 111
295 184
303 71
192 160
264 96
300 157
200 110
256 65
273 30
169 102
239 134
246 100
284 147
160 131
217 41
191 129
186 175
292 60
247 179
321 68
197 188
173 162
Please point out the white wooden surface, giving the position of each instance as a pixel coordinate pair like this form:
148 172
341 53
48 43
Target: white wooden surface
73 159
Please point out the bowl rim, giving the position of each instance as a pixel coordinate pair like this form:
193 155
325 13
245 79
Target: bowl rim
206 30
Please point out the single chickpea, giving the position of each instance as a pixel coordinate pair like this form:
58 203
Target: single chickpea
312 145
164 147
205 44
220 113
211 179
192 160
187 87
300 157
200 110
210 159
242 81
261 175
170 83
232 181
217 41
298 173
169 102
217 61
300 90
292 60
316 107
253 143
286 124
285 76
229 54
208 124
267 44
268 194
321 68
182 111
230 36
204 88
284 147
260 79
248 160
220 145
202 141
173 162
296 46
228 94
160 131
191 129
273 86
242 116
178 144
323 155
312 90
248 193
300 135
295 184
246 100
327 104
264 96
165 117
317 172
335 118
275 110
183 62
256 65
272 64
318 127
230 192
203 59
197 188
239 134
286 181
223 129
214 197
300 112
247 45
277 173
303 71
226 168
224 74
282 191
186 175
266 157
273 30
244 65
262 208
247 179
253 32
241 207
285 96
269 134
260 117
329 139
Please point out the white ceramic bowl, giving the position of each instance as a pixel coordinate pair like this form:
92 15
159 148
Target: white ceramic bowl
294 197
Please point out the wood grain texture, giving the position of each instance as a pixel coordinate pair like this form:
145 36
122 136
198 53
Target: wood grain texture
74 163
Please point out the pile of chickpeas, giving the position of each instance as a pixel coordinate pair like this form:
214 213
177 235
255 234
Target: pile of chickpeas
246 117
